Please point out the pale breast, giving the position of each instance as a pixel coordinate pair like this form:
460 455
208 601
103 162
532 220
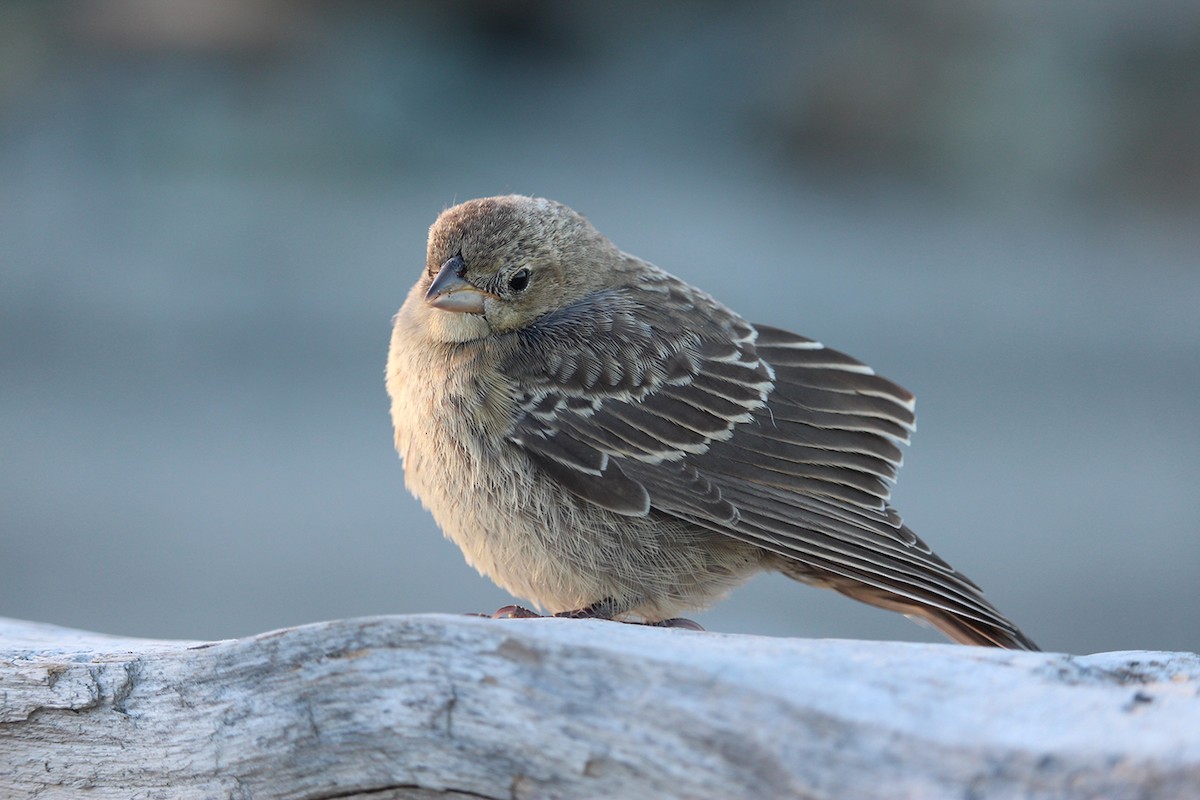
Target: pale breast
449 430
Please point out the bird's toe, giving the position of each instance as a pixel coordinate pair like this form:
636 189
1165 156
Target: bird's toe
514 612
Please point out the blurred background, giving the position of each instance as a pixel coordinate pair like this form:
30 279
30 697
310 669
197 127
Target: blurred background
210 211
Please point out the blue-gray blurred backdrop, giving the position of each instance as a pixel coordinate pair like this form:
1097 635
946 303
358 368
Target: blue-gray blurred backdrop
210 211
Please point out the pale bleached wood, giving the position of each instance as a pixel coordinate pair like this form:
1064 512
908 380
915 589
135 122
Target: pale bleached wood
459 707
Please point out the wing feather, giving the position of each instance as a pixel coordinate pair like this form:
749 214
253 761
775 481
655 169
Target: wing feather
611 489
846 485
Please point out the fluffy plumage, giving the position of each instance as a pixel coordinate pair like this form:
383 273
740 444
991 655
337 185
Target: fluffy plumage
594 432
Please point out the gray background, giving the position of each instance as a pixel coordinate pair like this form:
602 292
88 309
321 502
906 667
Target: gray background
209 212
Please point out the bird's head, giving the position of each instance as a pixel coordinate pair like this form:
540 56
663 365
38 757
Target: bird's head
497 264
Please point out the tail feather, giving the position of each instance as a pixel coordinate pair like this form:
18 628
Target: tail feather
1000 632
990 629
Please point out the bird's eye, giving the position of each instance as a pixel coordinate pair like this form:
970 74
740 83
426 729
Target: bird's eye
519 280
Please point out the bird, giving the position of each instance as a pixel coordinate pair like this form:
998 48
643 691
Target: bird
604 440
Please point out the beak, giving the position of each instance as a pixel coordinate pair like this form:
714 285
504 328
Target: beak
450 291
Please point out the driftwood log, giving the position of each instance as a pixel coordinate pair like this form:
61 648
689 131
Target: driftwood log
454 707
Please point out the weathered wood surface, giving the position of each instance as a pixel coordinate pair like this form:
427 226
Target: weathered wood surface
448 706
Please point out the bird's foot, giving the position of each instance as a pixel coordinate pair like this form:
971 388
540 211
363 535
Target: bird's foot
607 609
676 622
514 612
602 609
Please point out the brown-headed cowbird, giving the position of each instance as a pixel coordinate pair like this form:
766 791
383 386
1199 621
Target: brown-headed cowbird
603 439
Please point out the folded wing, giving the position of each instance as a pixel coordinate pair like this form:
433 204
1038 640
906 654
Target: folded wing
663 399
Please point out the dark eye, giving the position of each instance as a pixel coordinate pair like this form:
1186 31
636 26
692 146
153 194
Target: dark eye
519 280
